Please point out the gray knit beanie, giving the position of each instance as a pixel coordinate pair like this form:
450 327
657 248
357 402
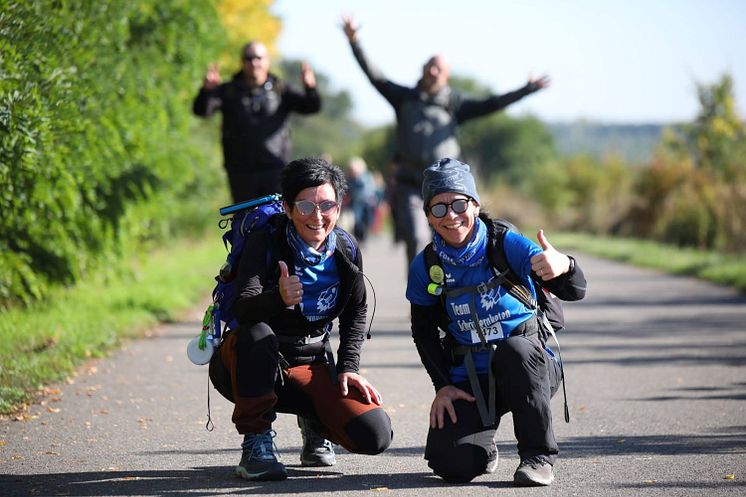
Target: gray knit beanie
448 175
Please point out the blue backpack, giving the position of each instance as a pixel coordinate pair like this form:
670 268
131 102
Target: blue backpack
248 217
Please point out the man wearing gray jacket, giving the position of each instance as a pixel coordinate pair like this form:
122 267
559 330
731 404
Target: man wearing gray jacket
427 116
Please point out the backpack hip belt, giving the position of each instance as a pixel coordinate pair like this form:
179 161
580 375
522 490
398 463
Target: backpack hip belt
528 328
302 340
307 340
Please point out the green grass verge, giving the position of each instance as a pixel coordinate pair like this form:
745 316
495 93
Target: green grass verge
729 270
45 343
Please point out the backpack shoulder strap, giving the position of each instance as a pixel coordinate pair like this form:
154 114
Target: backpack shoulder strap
347 245
434 270
496 255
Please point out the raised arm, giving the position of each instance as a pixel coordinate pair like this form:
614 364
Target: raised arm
208 100
470 108
388 89
308 101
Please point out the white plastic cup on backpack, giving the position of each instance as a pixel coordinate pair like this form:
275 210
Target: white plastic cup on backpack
199 356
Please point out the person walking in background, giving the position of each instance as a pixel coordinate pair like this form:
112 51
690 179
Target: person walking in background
256 105
427 116
293 282
364 197
493 357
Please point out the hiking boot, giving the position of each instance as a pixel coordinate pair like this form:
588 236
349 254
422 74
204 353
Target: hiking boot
259 460
535 471
492 459
317 451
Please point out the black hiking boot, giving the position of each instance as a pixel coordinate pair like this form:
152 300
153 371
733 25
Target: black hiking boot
317 451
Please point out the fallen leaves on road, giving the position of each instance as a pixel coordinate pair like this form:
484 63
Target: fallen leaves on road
25 417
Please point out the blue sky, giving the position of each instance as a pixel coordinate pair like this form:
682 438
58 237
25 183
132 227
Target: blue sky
620 61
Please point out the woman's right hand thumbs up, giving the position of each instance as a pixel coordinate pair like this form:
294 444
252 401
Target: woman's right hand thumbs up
291 289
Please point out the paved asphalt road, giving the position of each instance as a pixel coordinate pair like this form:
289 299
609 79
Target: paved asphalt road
656 383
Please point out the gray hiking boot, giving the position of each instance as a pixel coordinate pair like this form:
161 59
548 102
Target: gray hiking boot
492 456
535 471
259 460
317 451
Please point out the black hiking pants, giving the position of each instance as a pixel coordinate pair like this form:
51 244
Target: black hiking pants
526 377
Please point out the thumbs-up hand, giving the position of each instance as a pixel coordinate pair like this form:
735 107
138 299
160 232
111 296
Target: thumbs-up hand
550 263
291 289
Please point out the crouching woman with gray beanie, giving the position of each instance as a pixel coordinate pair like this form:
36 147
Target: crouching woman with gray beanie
493 358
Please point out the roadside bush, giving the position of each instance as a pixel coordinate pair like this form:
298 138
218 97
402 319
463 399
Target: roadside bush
94 119
582 193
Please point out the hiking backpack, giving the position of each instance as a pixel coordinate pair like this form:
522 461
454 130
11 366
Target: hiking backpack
247 217
545 301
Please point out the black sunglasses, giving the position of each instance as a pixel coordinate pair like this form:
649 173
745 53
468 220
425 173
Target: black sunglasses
306 207
250 57
458 206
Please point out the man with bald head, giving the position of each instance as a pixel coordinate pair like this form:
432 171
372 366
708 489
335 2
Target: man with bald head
256 106
427 116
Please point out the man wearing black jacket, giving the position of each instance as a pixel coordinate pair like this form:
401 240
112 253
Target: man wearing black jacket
427 116
256 106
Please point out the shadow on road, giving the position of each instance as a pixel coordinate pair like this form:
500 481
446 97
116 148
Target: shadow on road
210 481
732 442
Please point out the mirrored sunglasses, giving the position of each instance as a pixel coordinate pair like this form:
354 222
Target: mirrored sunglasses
458 206
306 207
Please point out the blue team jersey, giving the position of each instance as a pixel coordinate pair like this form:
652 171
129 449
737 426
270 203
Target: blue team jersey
498 312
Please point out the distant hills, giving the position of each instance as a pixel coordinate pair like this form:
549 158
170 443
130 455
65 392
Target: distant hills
632 142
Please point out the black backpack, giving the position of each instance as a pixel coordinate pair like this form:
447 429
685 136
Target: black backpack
546 302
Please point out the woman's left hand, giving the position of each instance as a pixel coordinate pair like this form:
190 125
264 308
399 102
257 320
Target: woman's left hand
370 393
550 263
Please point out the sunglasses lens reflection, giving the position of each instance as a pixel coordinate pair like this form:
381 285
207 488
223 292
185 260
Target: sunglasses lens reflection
439 210
306 207
458 206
